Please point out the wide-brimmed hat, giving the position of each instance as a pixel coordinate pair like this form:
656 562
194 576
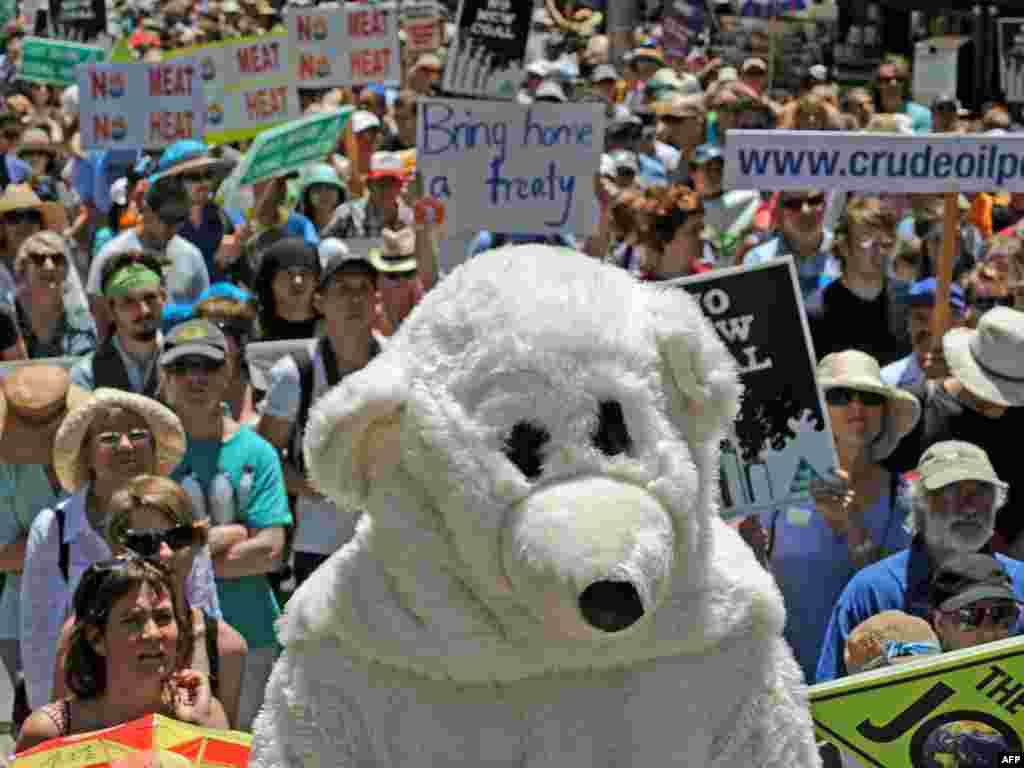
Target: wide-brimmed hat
397 253
68 455
21 197
37 140
188 156
858 370
34 399
987 360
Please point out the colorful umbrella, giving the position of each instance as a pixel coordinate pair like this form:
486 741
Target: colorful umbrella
200 747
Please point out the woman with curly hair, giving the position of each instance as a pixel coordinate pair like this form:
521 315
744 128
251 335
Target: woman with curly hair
676 245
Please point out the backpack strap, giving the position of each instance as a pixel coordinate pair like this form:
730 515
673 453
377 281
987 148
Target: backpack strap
212 654
64 558
108 369
304 362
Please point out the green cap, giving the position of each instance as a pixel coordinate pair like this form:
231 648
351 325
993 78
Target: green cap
953 461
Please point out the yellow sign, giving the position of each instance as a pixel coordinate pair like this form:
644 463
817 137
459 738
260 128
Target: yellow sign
956 710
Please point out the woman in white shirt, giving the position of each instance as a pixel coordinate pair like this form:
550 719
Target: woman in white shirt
111 438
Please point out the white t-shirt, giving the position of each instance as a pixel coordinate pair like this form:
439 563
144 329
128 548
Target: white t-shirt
187 276
322 527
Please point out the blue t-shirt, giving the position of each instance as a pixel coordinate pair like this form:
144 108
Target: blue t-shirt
920 117
811 564
207 237
897 583
257 500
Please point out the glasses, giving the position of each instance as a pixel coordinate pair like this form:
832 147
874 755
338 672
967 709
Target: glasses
842 396
147 542
188 365
797 203
39 259
17 218
971 617
113 439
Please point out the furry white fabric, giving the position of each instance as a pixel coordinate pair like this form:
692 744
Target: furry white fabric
596 612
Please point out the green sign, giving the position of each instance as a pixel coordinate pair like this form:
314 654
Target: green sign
54 61
955 709
293 145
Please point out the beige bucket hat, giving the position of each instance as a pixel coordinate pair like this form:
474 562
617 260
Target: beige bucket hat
34 399
168 435
859 370
989 360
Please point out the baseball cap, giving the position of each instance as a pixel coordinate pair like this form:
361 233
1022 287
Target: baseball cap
603 73
922 294
728 74
624 160
753 64
339 260
194 337
363 120
385 164
818 72
551 91
966 579
952 461
678 105
705 153
429 61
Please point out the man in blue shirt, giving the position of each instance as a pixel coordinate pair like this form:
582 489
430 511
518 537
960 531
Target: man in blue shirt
955 500
14 170
893 87
910 370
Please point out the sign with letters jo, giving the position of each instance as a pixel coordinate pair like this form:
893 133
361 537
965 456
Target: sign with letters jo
958 709
353 46
146 106
511 168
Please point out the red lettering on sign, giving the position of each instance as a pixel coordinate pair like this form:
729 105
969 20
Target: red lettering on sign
102 129
367 23
254 59
370 63
266 103
170 80
168 127
98 85
305 28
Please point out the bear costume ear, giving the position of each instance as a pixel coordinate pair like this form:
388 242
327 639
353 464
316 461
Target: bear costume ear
697 363
353 433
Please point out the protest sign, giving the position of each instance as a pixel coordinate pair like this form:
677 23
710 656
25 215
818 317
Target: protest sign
355 46
935 67
781 439
487 57
956 709
511 167
54 61
177 742
247 84
873 162
421 23
289 147
79 20
146 106
1011 58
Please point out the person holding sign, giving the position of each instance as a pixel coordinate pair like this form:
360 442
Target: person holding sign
954 500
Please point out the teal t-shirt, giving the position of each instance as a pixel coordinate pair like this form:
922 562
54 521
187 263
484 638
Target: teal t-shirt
256 499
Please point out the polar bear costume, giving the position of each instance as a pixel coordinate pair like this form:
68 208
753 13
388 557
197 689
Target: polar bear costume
541 579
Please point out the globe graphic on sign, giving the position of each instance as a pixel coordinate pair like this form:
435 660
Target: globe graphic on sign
963 744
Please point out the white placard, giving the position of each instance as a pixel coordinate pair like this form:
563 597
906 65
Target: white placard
935 68
1011 58
873 162
511 168
148 106
355 45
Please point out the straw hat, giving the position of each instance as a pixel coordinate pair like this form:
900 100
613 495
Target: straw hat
34 399
37 140
987 360
20 197
168 434
858 370
398 254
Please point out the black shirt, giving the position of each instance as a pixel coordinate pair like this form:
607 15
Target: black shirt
943 417
8 329
841 320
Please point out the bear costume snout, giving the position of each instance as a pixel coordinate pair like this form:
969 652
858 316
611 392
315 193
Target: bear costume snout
591 557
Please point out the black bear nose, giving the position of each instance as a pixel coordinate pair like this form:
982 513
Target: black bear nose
611 606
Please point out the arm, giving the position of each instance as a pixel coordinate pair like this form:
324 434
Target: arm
277 430
44 605
223 537
38 728
12 556
232 648
259 554
60 686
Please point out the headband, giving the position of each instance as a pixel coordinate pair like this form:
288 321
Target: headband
133 277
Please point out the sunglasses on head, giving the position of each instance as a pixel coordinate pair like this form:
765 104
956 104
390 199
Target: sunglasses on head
844 395
14 218
190 364
797 203
971 617
146 542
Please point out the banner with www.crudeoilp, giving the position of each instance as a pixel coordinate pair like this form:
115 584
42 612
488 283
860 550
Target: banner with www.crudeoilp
961 709
782 439
874 162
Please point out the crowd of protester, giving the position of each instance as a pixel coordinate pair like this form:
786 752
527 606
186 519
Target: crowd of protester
156 536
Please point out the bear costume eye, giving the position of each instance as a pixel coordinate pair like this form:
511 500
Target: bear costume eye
523 446
611 436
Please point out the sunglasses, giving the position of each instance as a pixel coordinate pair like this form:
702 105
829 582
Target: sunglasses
843 395
39 259
113 439
971 617
188 365
797 203
147 542
15 218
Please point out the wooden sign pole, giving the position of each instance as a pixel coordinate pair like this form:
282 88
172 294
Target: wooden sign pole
944 269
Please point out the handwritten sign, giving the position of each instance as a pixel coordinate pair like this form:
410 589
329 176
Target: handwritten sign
354 47
487 58
79 20
511 168
422 27
146 106
247 85
54 61
781 439
959 709
289 147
